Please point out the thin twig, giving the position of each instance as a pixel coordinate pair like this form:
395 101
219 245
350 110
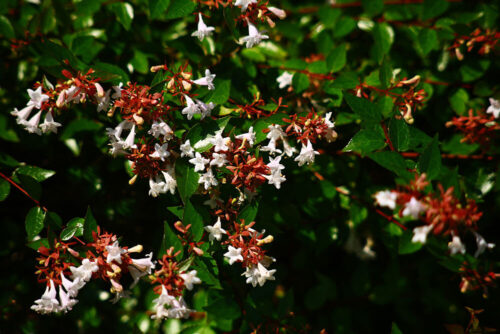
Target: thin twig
8 179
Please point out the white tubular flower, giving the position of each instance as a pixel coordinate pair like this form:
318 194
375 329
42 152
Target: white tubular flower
244 4
48 124
179 309
220 142
156 187
208 179
37 98
32 125
413 208
275 132
170 181
207 80
199 162
191 108
161 129
84 271
187 150
218 160
275 178
103 101
160 302
115 253
203 30
250 136
274 164
420 233
386 199
494 107
254 36
140 268
287 149
258 274
215 231
278 12
455 245
116 147
307 154
72 287
205 109
48 302
271 147
118 91
284 80
160 152
234 255
482 245
129 141
23 114
190 279
67 302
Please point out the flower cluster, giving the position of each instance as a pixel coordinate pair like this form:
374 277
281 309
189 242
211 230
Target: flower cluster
441 212
473 279
483 41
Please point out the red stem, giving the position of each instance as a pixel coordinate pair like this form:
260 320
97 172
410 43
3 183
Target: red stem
8 179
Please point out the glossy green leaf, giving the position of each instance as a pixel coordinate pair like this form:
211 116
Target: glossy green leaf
399 134
365 141
336 60
170 239
187 179
37 173
74 229
124 13
180 8
300 82
430 160
89 225
365 109
34 222
4 189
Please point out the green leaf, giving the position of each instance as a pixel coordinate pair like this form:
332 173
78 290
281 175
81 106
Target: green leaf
383 35
37 173
346 80
336 60
395 329
406 246
433 8
224 308
89 225
170 239
373 7
178 211
300 82
6 28
365 141
385 73
221 92
4 189
399 133
79 125
428 40
110 72
207 269
124 13
29 184
187 179
364 108
34 222
249 212
430 160
193 214
157 8
74 228
180 8
391 161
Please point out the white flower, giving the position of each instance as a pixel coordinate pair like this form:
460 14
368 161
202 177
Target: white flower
244 4
207 80
199 162
118 91
234 255
190 279
48 124
208 179
274 164
37 98
258 274
191 109
170 181
161 128
140 268
306 155
84 271
187 150
48 302
117 147
205 109
275 132
456 246
288 150
160 152
328 121
278 12
275 178
494 107
23 114
220 142
72 287
285 79
249 136
386 199
482 245
66 302
271 147
215 231
413 208
254 36
115 253
103 101
179 309
156 187
218 160
203 30
32 125
117 131
72 94
129 141
420 233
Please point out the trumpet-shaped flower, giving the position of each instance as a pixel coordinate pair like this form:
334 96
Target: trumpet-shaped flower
203 30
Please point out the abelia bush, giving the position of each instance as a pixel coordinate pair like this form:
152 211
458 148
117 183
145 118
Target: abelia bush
281 166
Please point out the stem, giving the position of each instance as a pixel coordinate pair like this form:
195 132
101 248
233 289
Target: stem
8 179
387 138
